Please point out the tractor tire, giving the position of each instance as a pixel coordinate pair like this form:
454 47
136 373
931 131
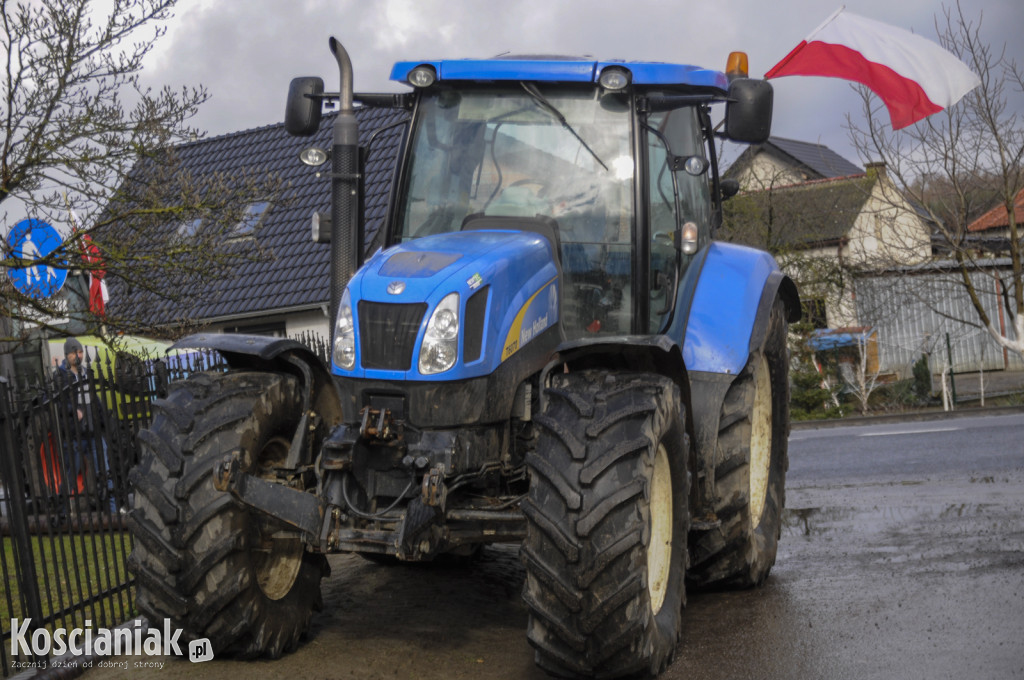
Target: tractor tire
214 568
750 471
607 520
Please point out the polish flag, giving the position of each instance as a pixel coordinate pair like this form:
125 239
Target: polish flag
913 76
98 293
91 255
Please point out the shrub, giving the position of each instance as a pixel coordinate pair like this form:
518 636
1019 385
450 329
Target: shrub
922 381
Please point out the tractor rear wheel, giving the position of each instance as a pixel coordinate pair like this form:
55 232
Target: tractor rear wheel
750 471
215 569
607 521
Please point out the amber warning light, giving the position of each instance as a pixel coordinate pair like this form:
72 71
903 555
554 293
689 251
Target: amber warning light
736 67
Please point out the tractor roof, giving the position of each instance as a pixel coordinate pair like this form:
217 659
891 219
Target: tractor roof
565 70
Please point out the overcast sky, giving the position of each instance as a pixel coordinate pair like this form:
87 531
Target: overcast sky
245 53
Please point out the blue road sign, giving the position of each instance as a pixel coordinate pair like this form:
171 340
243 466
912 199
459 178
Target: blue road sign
31 240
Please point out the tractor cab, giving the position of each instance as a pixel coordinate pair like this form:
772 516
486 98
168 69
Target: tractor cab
611 161
535 154
612 156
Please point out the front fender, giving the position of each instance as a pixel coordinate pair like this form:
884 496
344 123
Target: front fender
265 353
729 310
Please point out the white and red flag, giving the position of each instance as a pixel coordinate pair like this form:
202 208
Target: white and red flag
98 293
913 76
93 258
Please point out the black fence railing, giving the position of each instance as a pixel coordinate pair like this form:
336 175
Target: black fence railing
67 447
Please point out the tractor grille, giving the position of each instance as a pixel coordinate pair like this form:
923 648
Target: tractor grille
387 334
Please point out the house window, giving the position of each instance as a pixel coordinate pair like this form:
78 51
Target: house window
814 312
251 219
274 329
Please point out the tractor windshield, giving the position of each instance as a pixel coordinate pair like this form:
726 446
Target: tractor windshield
527 150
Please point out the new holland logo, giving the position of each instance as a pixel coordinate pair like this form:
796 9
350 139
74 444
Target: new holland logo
396 287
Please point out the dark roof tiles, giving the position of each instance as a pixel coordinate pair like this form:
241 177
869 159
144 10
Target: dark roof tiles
808 215
816 160
823 160
296 273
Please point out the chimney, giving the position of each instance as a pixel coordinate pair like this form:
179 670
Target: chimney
875 170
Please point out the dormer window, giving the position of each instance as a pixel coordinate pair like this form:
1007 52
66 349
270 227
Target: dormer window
253 215
190 228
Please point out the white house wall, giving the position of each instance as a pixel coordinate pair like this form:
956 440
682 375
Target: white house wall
887 232
764 172
307 322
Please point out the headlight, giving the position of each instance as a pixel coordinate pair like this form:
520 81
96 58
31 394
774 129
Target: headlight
441 340
422 76
345 335
614 78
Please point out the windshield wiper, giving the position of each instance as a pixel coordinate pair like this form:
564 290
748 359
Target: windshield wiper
532 90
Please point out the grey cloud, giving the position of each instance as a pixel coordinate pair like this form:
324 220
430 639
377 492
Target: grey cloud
246 53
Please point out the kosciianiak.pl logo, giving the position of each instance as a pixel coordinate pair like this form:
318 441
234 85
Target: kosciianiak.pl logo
126 641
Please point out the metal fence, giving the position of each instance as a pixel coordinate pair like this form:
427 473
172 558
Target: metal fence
67 448
917 313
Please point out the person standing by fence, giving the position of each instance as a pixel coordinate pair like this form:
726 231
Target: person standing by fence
85 445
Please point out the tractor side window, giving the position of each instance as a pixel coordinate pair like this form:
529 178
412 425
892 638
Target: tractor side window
684 133
674 198
661 211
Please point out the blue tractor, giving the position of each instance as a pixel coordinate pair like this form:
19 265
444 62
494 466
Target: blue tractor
549 349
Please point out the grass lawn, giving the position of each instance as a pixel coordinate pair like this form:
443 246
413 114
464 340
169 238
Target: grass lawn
71 567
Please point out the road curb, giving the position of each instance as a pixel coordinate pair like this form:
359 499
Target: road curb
913 417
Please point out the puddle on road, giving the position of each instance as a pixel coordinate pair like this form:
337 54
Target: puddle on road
826 520
923 538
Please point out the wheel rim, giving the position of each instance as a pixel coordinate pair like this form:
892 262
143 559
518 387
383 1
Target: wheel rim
279 557
659 550
277 565
760 440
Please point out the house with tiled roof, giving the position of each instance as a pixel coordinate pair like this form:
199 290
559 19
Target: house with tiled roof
285 292
784 162
991 231
865 256
825 227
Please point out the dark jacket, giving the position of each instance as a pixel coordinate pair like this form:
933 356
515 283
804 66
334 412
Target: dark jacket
74 392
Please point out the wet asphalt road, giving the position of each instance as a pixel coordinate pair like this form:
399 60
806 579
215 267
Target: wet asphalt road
902 557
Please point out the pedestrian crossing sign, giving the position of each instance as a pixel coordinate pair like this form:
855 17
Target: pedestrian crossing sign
39 270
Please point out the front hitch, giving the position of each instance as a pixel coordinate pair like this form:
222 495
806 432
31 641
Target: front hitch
299 509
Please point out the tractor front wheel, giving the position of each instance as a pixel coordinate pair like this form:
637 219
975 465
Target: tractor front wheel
607 521
750 470
212 567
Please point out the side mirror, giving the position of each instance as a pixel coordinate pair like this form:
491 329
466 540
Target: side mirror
748 115
304 110
729 188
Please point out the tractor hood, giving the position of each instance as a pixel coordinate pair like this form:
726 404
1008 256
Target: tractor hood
508 294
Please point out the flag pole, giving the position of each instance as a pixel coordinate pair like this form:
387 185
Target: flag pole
825 23
796 50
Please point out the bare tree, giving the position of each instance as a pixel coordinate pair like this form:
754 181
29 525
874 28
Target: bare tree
952 160
861 378
818 232
802 226
86 146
